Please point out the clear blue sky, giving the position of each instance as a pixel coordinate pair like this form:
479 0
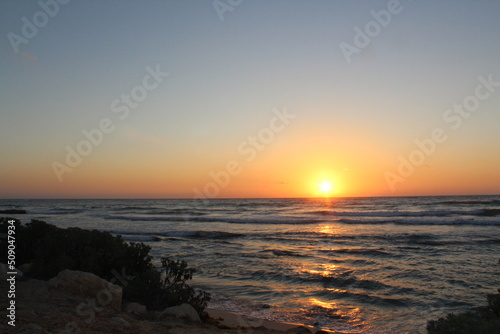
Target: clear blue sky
225 78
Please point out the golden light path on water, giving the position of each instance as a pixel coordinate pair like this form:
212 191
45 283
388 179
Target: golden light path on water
332 308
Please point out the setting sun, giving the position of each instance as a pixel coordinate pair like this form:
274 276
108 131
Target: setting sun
325 187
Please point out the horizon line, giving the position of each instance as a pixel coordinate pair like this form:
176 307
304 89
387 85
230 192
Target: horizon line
236 198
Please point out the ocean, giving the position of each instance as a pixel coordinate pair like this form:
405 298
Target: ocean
356 265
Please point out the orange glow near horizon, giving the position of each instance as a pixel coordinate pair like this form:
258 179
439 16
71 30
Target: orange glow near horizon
301 168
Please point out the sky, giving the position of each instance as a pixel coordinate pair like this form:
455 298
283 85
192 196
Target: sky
230 98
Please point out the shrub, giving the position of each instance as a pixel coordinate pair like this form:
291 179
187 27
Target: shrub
178 292
483 320
52 249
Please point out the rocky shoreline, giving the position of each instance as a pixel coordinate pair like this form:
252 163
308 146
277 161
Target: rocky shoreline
80 302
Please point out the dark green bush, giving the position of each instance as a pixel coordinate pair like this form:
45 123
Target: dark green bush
27 239
52 249
483 320
178 292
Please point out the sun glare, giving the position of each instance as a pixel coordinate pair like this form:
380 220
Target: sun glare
326 188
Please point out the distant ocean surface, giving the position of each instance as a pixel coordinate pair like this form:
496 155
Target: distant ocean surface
357 265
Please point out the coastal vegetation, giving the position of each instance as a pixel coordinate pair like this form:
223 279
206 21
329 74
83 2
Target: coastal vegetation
482 320
51 249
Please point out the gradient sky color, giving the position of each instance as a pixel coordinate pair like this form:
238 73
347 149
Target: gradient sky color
228 79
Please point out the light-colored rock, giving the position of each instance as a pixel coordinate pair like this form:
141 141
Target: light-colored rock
135 309
89 285
182 311
26 268
190 312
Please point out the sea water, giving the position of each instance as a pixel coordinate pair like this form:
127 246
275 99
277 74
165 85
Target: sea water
357 265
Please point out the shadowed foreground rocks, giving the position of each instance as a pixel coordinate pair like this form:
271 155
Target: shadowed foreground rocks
79 302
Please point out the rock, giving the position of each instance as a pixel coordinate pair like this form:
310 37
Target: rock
156 315
121 321
135 309
26 268
299 330
32 329
264 306
36 288
182 311
42 292
89 285
13 212
26 314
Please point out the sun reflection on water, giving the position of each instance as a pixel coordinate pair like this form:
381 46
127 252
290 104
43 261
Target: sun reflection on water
334 310
327 229
317 302
323 269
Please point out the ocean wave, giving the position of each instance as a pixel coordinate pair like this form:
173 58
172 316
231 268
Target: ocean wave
367 299
420 222
492 241
131 208
57 211
209 235
490 212
330 280
141 238
338 281
281 252
141 218
482 217
13 211
469 202
287 240
158 236
160 211
262 221
218 219
362 251
396 213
